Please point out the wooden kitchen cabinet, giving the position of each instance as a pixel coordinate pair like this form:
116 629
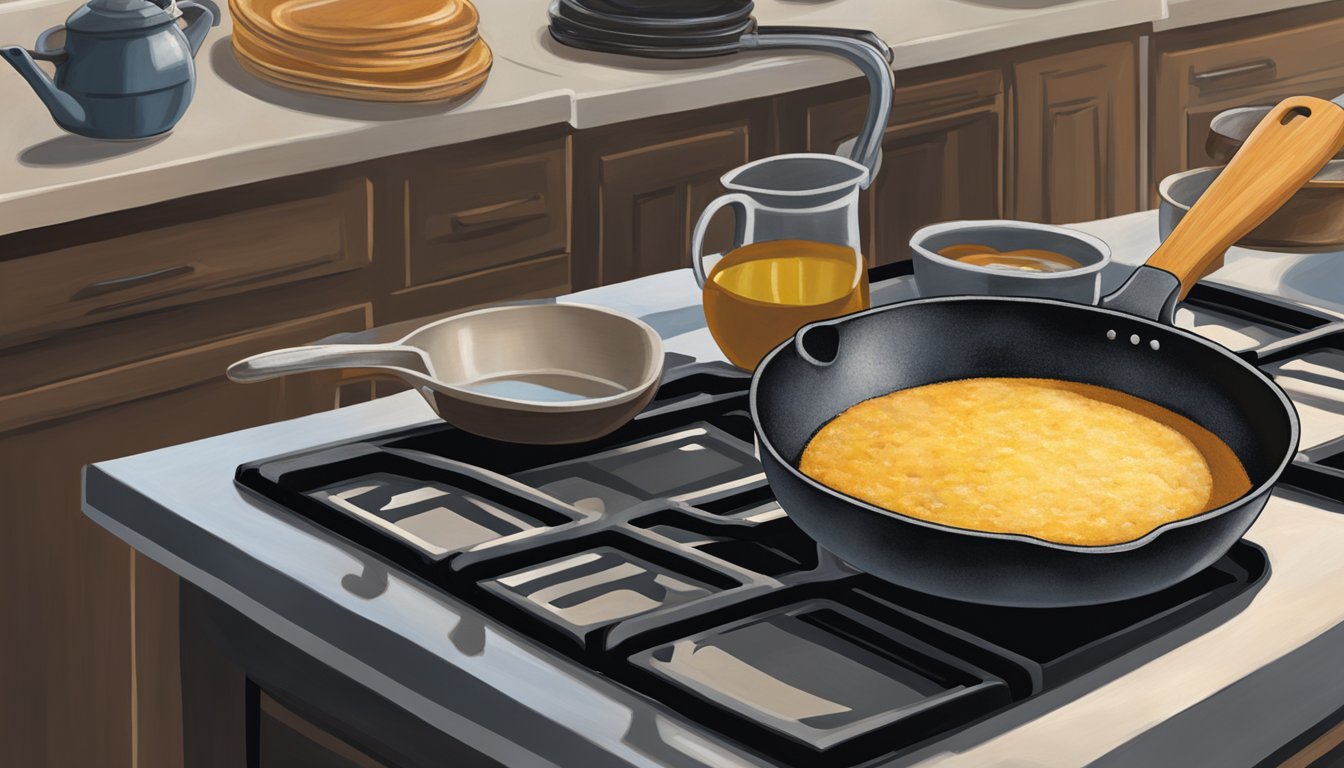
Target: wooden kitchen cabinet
1199 72
119 345
480 223
942 152
1075 133
286 740
90 658
639 187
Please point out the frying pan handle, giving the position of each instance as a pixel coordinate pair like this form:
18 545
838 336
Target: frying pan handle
745 220
1330 335
320 357
1288 147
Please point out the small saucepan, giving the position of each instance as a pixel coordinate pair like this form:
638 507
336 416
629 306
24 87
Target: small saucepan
938 275
531 373
1311 220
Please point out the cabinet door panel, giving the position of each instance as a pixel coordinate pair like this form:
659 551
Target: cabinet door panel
1200 72
1076 135
939 170
469 210
319 226
647 204
640 186
941 155
94 647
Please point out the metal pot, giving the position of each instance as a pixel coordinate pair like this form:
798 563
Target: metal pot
938 275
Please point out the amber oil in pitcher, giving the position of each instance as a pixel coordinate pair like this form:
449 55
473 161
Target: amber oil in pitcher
761 293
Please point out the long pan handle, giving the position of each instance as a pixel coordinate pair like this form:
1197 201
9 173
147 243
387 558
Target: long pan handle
282 362
1287 148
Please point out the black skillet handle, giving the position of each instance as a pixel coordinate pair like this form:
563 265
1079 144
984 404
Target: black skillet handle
1328 336
1149 292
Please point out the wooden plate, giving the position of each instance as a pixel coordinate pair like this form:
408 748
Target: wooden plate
454 90
264 48
423 84
359 23
374 56
406 48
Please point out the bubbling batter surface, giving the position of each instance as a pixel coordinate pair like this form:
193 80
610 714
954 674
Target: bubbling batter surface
1066 462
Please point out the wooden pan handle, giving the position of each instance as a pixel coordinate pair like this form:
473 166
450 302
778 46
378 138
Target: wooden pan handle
1287 148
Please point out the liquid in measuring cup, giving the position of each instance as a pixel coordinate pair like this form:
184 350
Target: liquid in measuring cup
760 294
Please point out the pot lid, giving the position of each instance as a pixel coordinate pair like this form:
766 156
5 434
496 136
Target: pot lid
609 26
117 16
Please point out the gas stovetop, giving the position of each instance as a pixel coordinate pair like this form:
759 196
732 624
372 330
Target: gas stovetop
658 558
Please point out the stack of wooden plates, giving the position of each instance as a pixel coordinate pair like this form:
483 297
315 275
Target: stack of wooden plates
397 50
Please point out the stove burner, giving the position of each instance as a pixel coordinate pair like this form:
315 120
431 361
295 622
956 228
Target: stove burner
824 674
658 558
597 588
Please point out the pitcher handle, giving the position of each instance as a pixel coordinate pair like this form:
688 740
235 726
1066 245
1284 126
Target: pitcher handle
743 223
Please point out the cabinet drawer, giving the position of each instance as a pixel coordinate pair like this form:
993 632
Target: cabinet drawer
1215 72
319 232
467 213
533 279
169 372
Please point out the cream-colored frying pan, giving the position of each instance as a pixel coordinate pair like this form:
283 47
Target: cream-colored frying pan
535 373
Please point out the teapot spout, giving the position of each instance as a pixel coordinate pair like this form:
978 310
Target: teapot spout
64 109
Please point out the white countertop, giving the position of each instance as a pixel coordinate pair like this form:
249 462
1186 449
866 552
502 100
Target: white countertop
1188 13
180 507
240 130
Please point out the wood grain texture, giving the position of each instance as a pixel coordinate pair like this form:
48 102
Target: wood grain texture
476 208
639 187
92 661
538 278
941 153
1197 73
1075 134
157 683
289 741
316 232
156 376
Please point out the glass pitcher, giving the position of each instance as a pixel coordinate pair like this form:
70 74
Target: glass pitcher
795 257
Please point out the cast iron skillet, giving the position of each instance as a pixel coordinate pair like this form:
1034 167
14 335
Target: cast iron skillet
1127 344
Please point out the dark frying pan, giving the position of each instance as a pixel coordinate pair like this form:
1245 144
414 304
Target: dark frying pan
1127 344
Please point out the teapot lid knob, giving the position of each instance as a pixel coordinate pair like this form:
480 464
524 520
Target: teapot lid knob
117 16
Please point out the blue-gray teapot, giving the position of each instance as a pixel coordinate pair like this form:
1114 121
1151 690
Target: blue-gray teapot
126 69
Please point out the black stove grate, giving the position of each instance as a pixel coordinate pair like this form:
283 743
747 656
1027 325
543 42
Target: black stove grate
657 557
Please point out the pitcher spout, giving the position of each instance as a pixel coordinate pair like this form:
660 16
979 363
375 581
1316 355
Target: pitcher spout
64 109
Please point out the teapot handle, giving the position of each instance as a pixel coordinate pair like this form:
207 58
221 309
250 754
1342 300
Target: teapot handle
201 16
744 221
42 49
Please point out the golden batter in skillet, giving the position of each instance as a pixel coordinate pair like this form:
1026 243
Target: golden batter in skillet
1065 462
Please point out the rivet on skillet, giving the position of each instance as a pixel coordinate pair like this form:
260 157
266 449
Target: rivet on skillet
1134 339
1110 335
1155 344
